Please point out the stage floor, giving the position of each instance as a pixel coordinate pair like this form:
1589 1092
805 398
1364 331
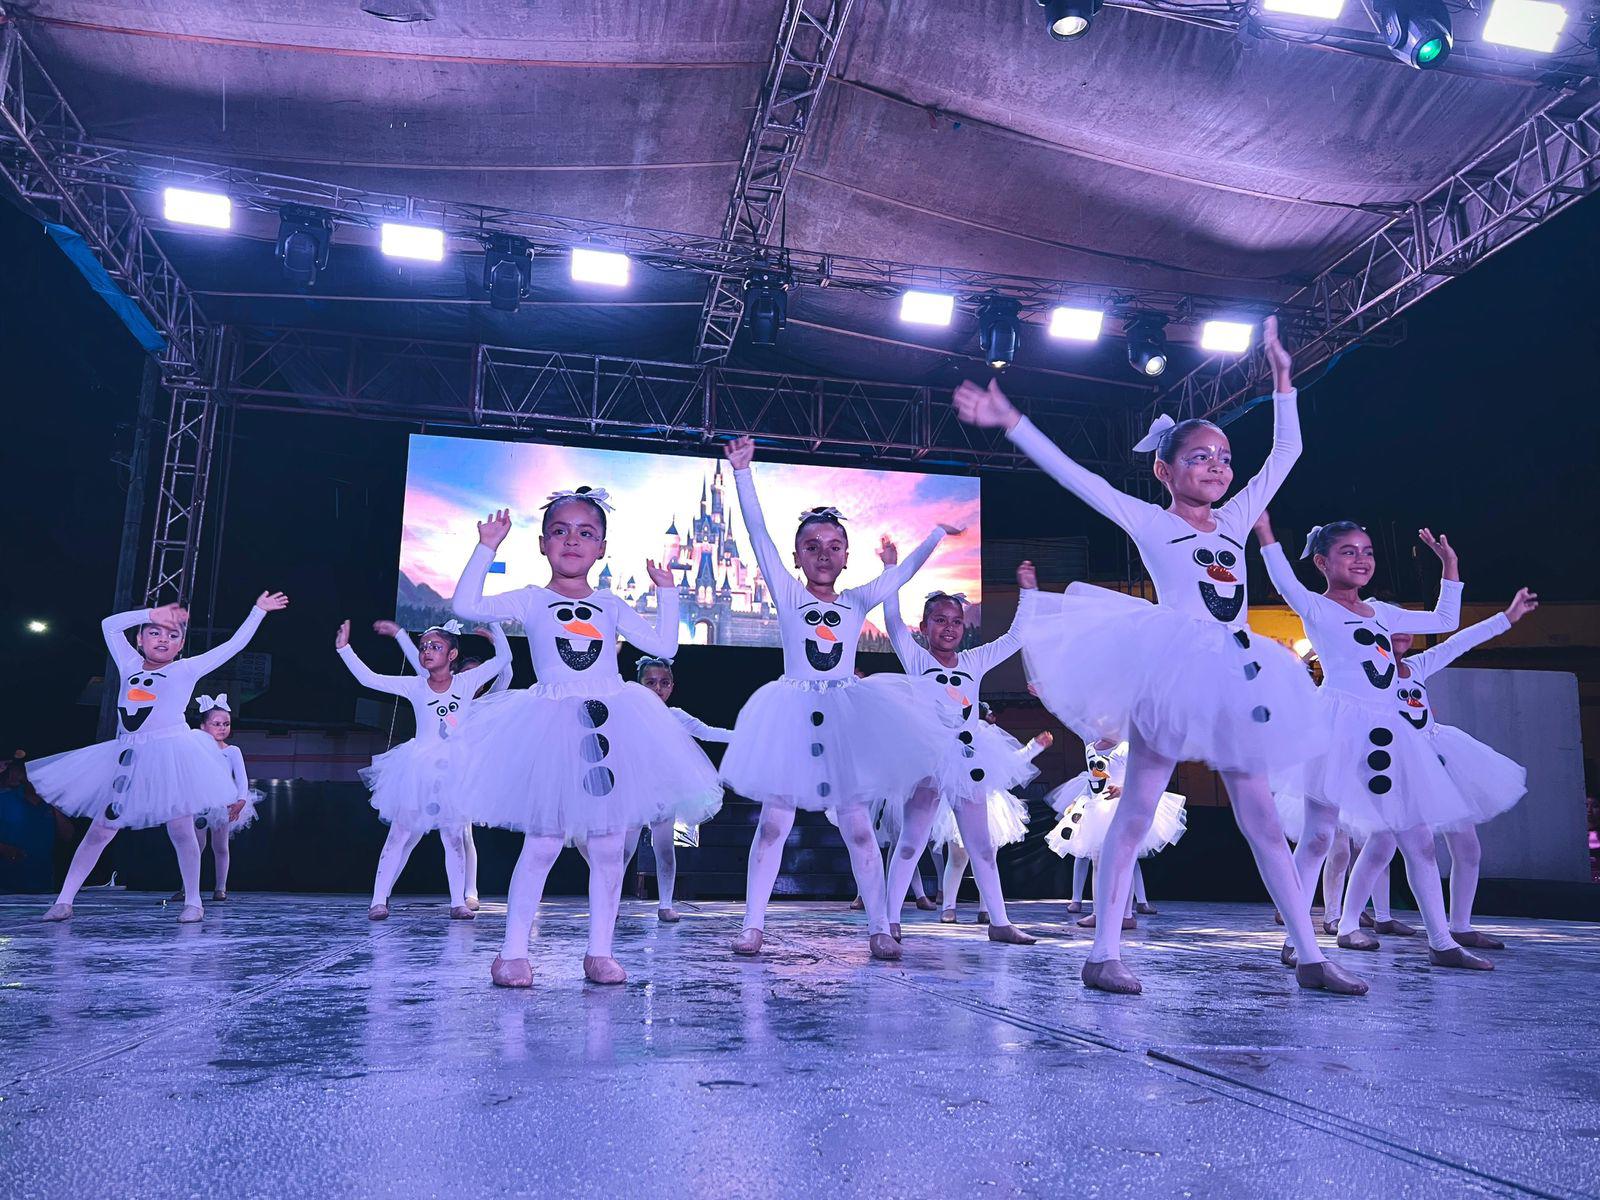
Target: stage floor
287 1047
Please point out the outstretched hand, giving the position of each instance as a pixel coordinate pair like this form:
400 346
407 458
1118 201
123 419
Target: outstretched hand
386 628
1027 576
342 638
1523 604
659 575
888 551
1263 529
492 532
985 407
272 601
175 615
1277 356
740 452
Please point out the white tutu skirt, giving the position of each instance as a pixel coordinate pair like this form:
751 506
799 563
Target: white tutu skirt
1196 691
1081 832
1379 771
981 770
1007 816
815 746
138 780
414 785
556 761
1490 782
217 817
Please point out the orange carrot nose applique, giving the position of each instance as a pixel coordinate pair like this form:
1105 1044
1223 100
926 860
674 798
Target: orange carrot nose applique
1221 574
958 696
582 629
1413 702
825 634
1097 773
140 696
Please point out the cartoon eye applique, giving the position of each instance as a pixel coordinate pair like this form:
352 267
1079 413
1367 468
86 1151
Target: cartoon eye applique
1227 558
441 710
1204 557
814 617
1365 637
942 678
832 618
454 705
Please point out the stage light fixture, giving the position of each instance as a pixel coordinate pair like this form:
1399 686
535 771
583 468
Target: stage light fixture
211 210
507 271
420 242
1147 343
927 308
1417 32
1525 24
304 235
766 304
38 627
1323 10
1076 324
599 266
999 330
1226 337
1069 20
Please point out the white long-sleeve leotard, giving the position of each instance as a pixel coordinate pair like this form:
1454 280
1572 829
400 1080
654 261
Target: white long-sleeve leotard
571 641
235 761
1411 689
819 636
1356 653
438 713
696 728
959 685
152 699
497 636
1200 574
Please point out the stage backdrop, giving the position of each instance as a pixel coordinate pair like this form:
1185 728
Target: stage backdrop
681 511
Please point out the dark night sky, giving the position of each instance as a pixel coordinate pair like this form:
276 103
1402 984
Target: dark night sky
1484 423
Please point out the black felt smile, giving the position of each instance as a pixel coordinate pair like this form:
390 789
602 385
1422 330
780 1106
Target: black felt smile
1416 722
131 721
824 660
1223 608
1376 678
578 660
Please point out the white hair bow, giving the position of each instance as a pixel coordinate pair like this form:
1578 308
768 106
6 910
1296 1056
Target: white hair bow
593 494
207 703
823 512
1310 541
1152 437
452 626
959 597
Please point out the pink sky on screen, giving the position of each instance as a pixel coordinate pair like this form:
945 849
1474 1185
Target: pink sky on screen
452 483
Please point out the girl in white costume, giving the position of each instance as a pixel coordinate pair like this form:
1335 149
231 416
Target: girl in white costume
1491 782
657 675
221 821
157 770
980 762
414 785
1181 679
1087 803
1379 776
580 757
819 738
1008 824
498 684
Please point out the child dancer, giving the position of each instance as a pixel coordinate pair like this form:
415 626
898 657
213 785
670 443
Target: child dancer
1491 782
222 821
980 762
657 675
1087 804
819 738
581 756
157 771
1379 774
1181 679
1008 824
414 785
502 681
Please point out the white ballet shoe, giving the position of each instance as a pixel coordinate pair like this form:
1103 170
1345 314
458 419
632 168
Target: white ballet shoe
57 912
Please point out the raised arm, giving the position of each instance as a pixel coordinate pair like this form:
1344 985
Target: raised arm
774 570
1295 594
1436 658
892 578
408 648
217 655
699 730
117 624
499 664
1253 499
660 639
1446 613
502 649
905 646
991 409
991 654
395 685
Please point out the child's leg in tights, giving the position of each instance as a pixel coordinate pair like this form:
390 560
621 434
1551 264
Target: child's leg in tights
973 821
914 827
397 848
1333 872
1138 883
453 838
1371 862
1257 815
85 857
661 844
856 825
187 845
1147 776
471 850
221 857
1466 855
955 870
766 856
527 887
606 865
1080 876
1311 852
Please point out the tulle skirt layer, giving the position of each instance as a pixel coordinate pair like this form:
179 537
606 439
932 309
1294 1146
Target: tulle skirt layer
554 761
414 785
835 745
217 817
138 780
1007 816
1195 691
1081 832
1490 782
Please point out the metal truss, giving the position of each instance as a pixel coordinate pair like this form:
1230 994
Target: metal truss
181 500
1542 167
808 38
550 394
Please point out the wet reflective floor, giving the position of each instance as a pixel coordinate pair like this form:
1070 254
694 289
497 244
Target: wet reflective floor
288 1047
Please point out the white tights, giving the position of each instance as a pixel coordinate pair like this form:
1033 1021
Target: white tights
604 854
1148 774
1466 856
397 848
977 847
766 856
1080 876
665 850
184 843
1334 869
1422 872
470 852
220 855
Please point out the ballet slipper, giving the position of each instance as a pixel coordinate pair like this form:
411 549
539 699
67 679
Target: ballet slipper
461 912
1331 927
983 917
603 969
1464 960
58 912
748 942
1366 920
925 905
1359 940
378 912
668 916
1145 908
1086 922
894 931
1287 956
191 914
1127 922
1111 976
511 973
1075 907
1474 940
947 917
1397 928
219 897
858 905
1277 917
1328 977
1010 935
473 902
884 948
